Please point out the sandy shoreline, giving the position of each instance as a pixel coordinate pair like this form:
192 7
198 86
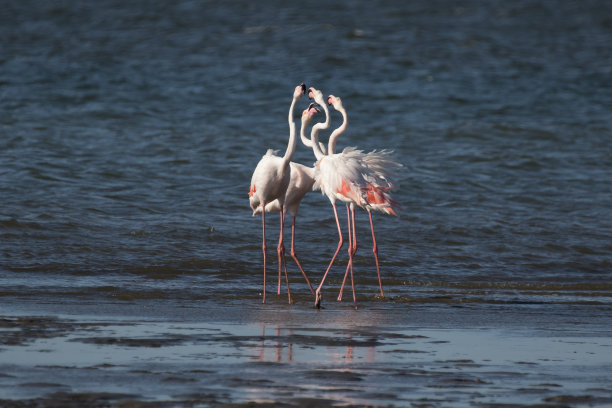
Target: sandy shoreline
274 355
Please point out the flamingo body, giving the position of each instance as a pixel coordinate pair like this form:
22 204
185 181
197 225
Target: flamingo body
270 181
355 178
301 180
340 176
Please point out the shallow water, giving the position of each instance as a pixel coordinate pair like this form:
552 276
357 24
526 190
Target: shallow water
129 132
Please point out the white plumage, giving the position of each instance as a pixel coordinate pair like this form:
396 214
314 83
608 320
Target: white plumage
270 181
355 178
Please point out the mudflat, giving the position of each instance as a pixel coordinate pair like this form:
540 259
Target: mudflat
383 354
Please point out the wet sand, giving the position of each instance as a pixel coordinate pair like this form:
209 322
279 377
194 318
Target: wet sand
384 354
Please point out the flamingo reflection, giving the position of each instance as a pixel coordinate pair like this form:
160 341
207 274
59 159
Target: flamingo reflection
277 346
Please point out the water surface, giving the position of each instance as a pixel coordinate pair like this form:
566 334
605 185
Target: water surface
129 132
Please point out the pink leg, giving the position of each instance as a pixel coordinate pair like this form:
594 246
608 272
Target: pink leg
340 242
279 251
281 255
285 267
294 256
352 251
350 247
375 250
352 255
263 248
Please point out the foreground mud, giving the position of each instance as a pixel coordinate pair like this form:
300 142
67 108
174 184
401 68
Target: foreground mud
48 361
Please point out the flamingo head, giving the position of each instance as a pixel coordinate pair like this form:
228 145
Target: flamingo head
299 91
335 101
309 113
316 95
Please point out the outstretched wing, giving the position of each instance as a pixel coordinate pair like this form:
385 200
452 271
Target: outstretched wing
381 168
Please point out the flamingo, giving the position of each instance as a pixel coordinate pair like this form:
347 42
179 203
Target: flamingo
351 177
377 190
300 182
270 181
339 176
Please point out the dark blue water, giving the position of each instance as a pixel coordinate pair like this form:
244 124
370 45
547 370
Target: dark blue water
129 131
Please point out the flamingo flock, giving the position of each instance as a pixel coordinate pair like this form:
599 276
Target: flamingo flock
358 179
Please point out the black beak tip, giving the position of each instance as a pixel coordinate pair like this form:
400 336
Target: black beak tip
310 93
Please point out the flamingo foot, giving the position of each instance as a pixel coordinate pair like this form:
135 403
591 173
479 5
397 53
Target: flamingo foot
318 298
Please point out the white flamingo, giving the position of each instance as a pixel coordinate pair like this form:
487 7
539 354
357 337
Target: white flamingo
300 182
270 181
339 176
380 165
351 177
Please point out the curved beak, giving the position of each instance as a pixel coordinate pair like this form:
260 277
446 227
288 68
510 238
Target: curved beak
314 106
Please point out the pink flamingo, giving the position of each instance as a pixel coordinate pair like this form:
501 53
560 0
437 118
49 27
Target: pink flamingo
351 177
339 176
380 165
270 181
300 182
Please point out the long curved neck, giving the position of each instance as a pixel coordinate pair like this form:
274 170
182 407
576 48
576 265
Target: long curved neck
314 134
306 141
331 145
292 140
